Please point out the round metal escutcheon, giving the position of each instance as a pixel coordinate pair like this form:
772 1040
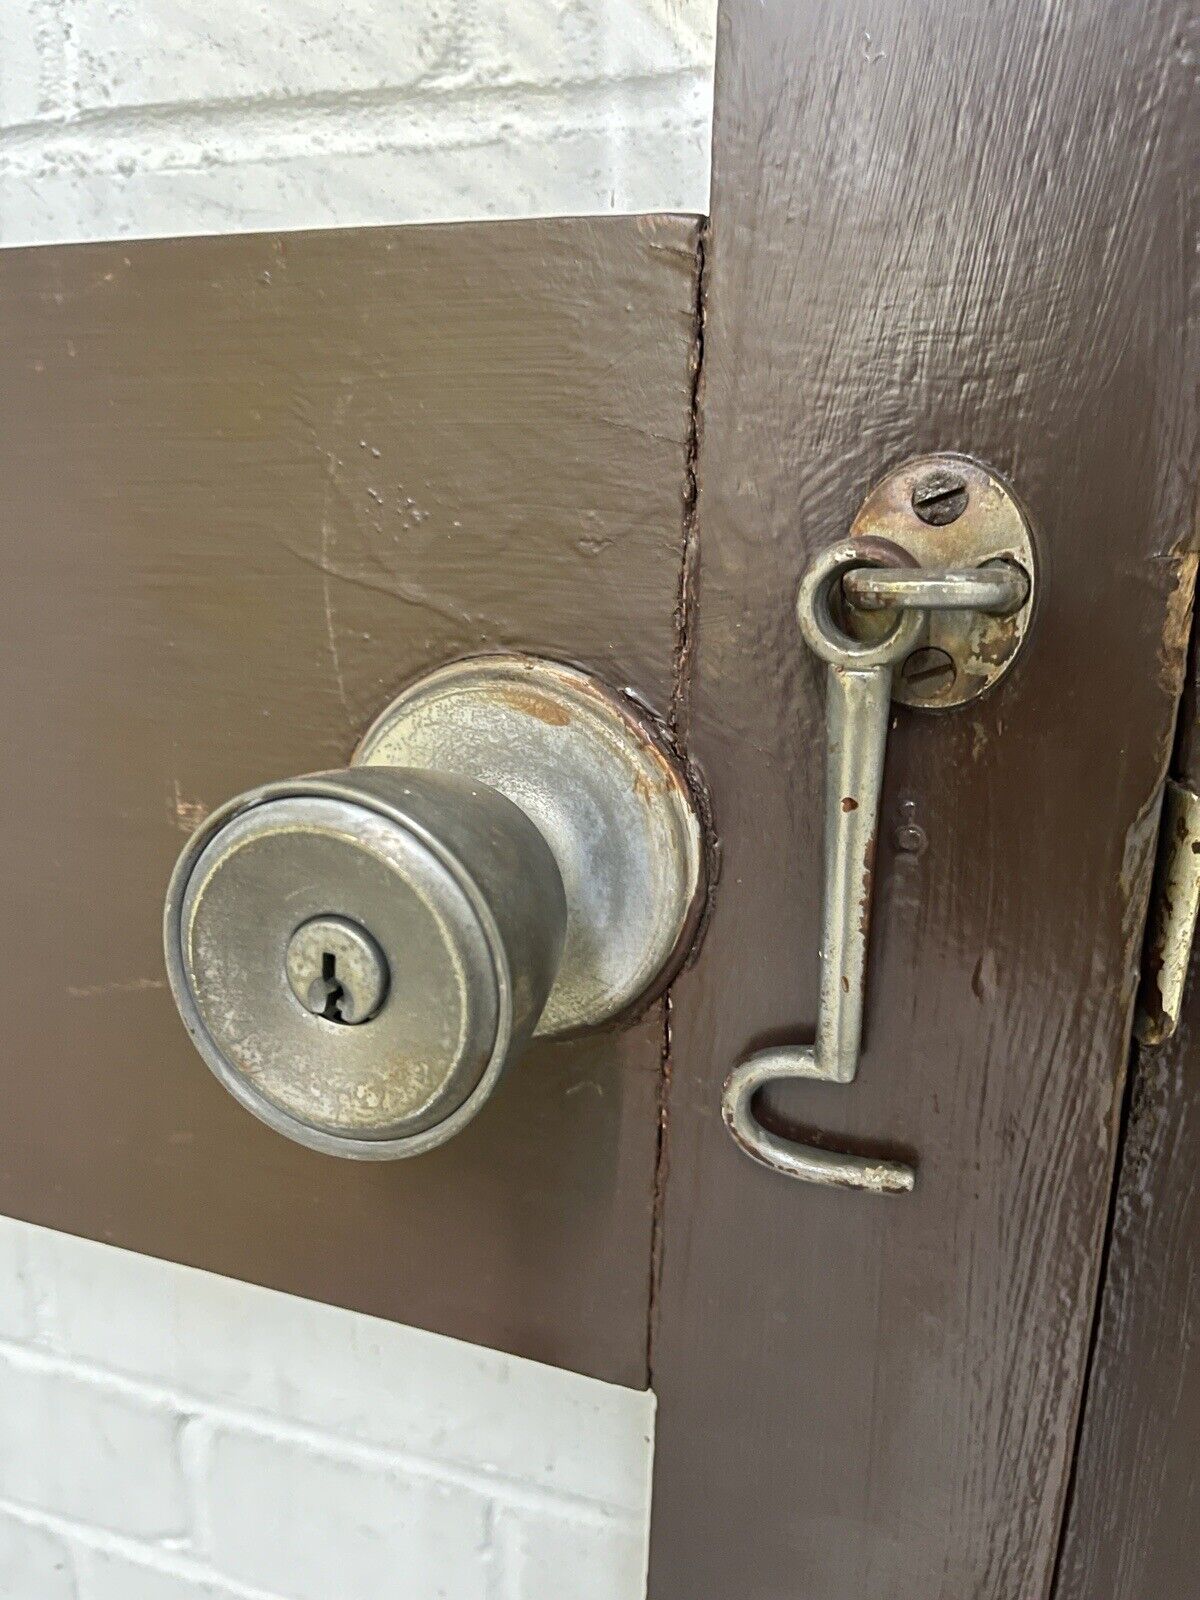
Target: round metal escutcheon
450 890
604 794
949 511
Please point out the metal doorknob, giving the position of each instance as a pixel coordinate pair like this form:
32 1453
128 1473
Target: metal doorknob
360 954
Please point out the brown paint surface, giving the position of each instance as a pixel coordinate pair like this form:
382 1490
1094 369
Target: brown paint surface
959 230
1131 1533
1135 1505
251 486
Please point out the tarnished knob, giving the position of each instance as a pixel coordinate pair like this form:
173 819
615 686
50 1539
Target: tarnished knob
358 954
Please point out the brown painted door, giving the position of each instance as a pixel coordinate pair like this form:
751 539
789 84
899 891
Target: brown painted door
933 227
252 486
1135 1489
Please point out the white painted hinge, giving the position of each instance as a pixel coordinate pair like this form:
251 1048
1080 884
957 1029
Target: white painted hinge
1171 926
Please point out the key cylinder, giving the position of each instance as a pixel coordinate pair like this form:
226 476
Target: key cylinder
337 970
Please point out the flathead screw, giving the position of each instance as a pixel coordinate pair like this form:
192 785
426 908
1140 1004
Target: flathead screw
928 672
940 497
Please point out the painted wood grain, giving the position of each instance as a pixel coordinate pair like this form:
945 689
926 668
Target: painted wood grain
933 227
250 487
1135 1500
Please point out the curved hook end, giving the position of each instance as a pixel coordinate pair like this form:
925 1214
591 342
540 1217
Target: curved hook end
807 1162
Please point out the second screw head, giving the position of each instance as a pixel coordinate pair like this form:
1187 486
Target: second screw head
928 672
940 497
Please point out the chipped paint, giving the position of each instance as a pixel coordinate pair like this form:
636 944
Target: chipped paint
1176 899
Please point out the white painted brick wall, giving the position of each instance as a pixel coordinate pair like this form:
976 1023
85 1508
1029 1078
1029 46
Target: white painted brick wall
169 1435
144 117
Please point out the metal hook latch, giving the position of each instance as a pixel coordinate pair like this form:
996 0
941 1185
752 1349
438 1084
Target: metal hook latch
873 573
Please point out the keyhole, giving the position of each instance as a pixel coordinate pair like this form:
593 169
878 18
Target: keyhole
336 970
327 992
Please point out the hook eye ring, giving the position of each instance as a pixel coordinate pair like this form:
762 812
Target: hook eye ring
814 608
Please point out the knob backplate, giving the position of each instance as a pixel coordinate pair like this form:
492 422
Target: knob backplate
593 775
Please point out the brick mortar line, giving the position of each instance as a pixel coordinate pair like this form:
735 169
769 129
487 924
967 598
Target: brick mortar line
496 1574
511 1492
163 135
105 1542
191 1448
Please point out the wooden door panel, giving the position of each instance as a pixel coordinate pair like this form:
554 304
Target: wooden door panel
957 230
1135 1500
252 486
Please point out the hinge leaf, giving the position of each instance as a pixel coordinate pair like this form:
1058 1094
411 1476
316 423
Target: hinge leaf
1174 901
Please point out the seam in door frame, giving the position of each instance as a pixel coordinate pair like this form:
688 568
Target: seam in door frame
678 723
1133 1075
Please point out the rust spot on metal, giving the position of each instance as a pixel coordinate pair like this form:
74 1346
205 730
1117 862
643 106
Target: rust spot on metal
646 787
995 643
868 878
849 803
534 705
